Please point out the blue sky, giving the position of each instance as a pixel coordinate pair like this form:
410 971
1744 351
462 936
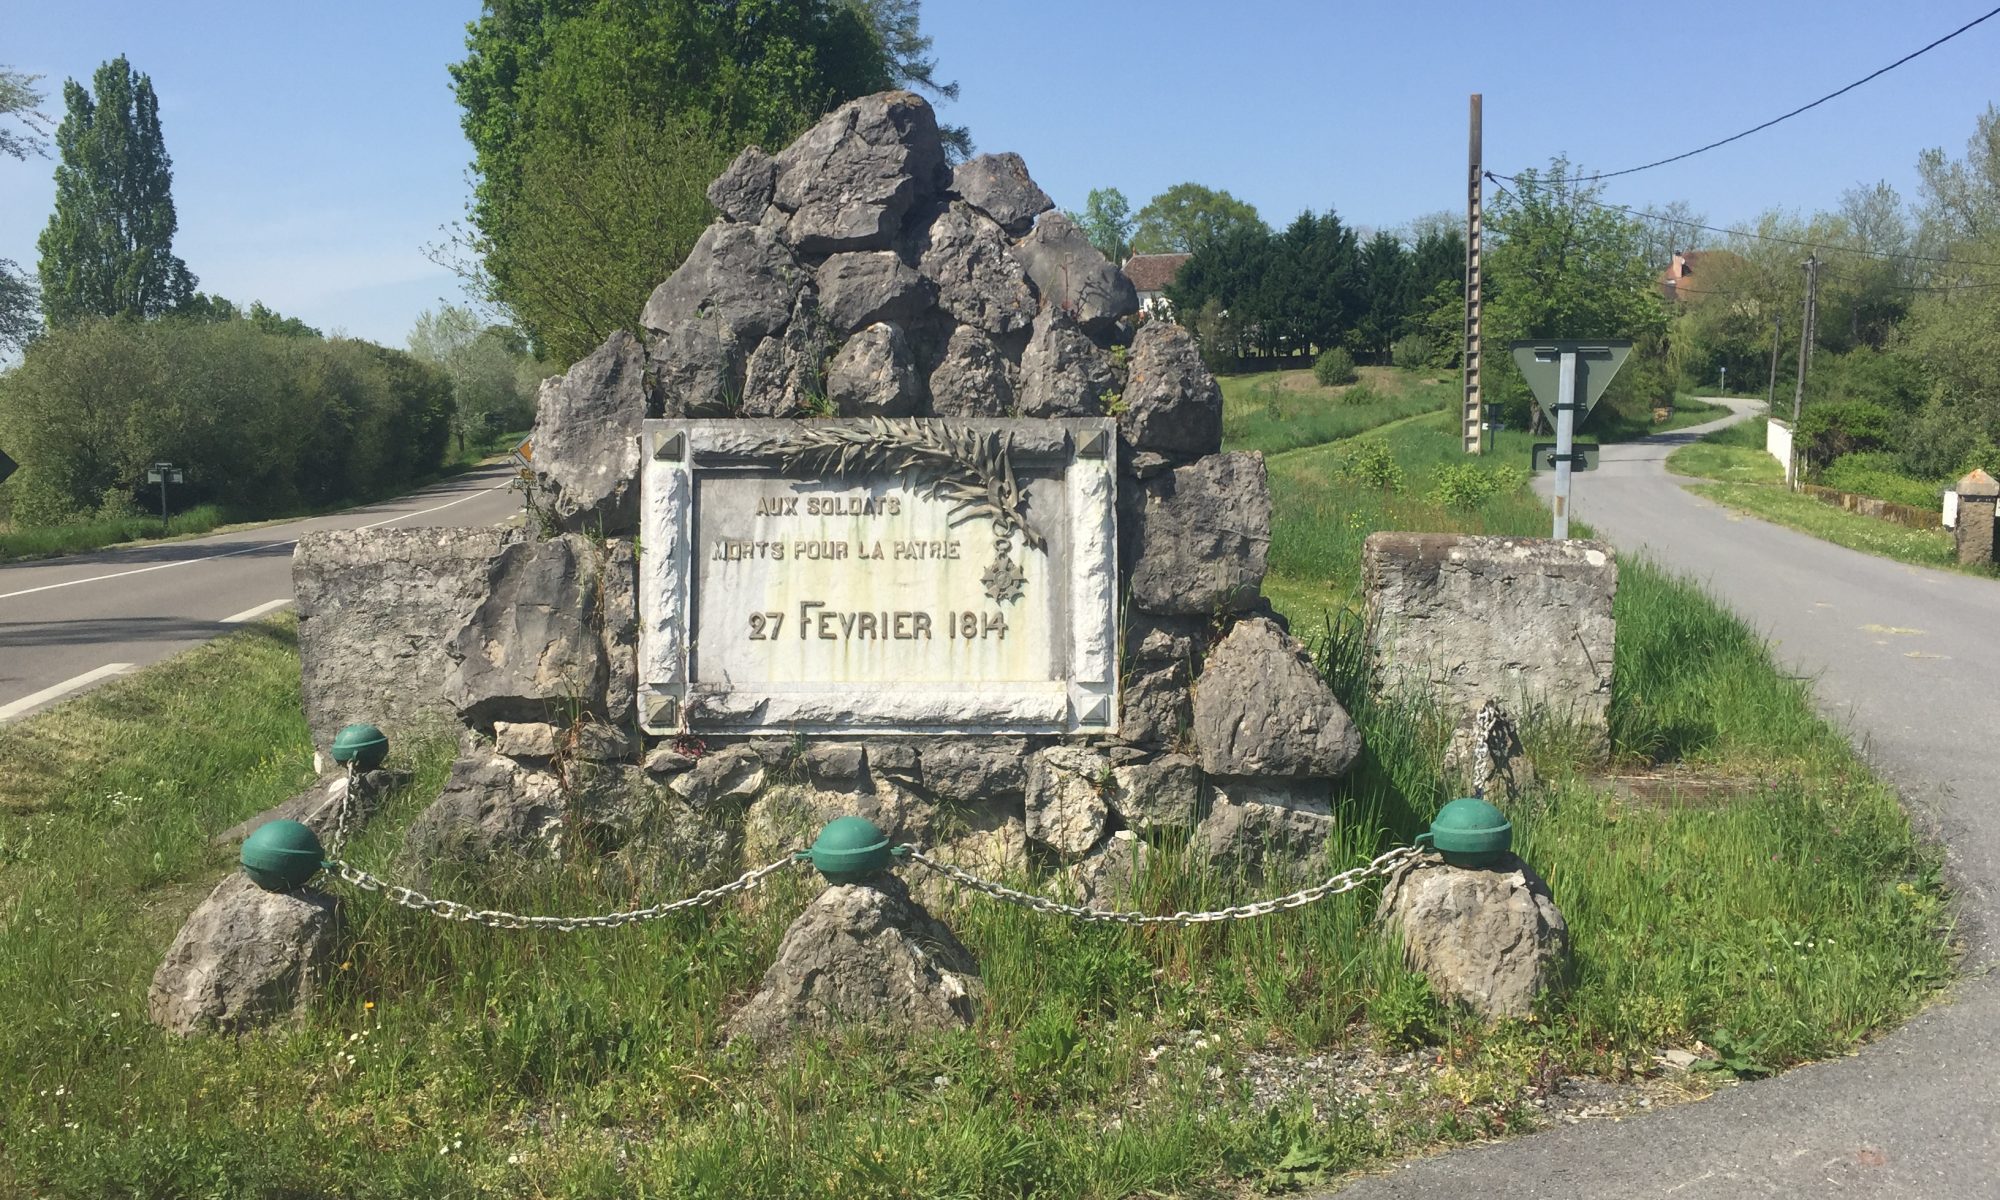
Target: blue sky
316 146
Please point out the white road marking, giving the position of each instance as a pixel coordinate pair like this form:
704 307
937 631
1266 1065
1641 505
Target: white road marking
9 711
49 587
251 614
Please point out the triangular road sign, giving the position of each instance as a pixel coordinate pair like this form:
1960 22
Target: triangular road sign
1597 363
7 466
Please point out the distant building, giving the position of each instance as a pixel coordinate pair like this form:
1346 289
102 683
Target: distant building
1150 274
1678 283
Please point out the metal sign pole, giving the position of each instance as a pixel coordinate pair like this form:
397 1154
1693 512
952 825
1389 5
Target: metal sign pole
1565 435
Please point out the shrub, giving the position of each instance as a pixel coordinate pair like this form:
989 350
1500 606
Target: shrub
1335 367
1361 393
1413 352
1468 485
1846 427
1879 474
1370 461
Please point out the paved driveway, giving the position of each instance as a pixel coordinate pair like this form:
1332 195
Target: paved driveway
1908 660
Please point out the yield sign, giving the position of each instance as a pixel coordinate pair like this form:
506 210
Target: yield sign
1597 362
7 466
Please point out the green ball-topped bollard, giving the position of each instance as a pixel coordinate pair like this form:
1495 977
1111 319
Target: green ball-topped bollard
850 849
364 746
1469 832
279 856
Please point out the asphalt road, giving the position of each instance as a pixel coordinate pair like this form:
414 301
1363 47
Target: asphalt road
1907 659
67 624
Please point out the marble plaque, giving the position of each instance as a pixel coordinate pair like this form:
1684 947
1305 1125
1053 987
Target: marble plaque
856 576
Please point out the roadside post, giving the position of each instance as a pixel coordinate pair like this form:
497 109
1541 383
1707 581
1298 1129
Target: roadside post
1568 377
164 473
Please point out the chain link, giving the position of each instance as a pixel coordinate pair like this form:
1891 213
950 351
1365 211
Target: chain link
452 910
1346 881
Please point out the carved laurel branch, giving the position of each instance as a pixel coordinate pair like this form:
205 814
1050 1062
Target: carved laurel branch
975 473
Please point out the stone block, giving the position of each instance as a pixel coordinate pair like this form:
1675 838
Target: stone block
1073 277
1065 799
1173 406
998 185
587 439
849 180
377 610
1261 827
1196 538
1156 794
743 192
1491 936
531 649
979 281
1526 622
245 958
1260 708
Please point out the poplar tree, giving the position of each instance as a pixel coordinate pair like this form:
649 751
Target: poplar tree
108 248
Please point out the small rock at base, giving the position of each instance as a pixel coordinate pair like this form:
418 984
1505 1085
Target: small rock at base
1490 936
245 958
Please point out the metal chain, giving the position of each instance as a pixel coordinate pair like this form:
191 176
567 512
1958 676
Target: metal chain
1346 881
452 910
346 786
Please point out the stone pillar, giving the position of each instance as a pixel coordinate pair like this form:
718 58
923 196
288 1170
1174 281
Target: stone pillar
1977 493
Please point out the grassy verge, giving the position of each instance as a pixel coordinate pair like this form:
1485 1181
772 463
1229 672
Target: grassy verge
1919 547
1732 455
1785 922
52 540
1275 411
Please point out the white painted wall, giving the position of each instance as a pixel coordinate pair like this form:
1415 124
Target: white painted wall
1778 441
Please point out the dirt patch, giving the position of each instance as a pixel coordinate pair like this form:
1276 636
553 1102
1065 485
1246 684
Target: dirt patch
1676 789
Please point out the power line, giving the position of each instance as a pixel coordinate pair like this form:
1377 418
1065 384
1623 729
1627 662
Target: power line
1786 117
1762 237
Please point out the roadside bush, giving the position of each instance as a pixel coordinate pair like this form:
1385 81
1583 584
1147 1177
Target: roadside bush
1466 485
1413 352
1828 431
1879 474
1939 443
261 422
1335 367
1361 393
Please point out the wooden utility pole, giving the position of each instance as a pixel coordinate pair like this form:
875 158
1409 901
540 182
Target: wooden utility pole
1771 390
1808 330
1475 190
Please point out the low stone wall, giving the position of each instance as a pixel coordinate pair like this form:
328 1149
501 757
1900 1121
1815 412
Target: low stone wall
1522 622
1873 506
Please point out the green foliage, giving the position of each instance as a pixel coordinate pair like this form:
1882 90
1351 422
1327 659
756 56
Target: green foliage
1107 221
108 248
1880 474
1468 485
1414 352
1282 410
596 124
1334 367
20 305
1187 217
18 98
1939 443
1370 461
494 384
1827 431
261 422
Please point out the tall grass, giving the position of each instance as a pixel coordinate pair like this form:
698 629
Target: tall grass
1283 410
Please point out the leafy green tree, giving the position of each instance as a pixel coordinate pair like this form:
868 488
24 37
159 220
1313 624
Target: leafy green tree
1188 216
483 364
18 97
1107 221
108 248
19 302
1563 266
555 91
1388 294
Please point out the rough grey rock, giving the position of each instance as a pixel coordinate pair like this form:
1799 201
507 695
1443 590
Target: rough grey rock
731 773
998 185
1524 621
377 608
1108 875
857 290
587 439
974 771
700 373
618 631
849 180
1064 802
1491 937
318 807
245 958
1063 373
1151 638
1259 827
979 281
739 284
1196 537
863 955
1173 406
786 374
785 816
491 808
1072 276
669 760
831 763
1156 705
532 648
524 739
1261 709
895 760
1161 793
873 375
743 191
973 379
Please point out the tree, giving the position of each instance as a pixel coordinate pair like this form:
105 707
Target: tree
18 97
1107 221
18 304
550 87
108 248
1188 216
483 364
1388 294
1671 228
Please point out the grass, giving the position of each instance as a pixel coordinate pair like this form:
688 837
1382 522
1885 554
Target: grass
48 541
1732 455
1275 411
1786 922
1609 423
1919 547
